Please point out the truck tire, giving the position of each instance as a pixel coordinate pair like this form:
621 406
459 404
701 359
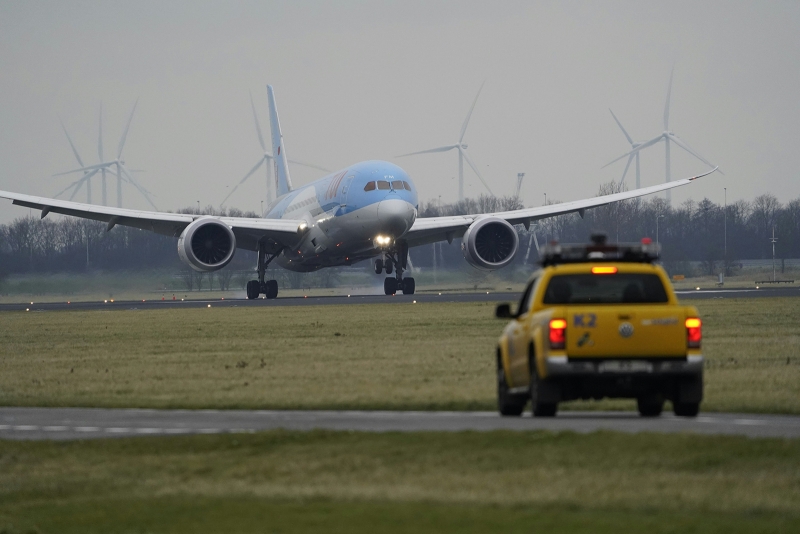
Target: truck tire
650 406
686 409
538 407
508 404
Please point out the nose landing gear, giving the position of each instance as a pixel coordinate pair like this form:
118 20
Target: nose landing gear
396 259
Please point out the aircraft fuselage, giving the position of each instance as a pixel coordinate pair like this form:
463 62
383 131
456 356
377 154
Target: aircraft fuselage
346 212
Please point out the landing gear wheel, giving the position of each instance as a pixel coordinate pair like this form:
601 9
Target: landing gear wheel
650 406
388 266
271 289
253 289
539 408
409 286
378 266
390 286
508 403
686 409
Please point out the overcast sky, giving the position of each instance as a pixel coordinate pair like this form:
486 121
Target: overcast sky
370 80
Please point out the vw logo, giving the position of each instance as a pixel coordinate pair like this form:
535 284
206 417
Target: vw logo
626 329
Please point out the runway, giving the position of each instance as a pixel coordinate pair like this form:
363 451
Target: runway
480 296
93 423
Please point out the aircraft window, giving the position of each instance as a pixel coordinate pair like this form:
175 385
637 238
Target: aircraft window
383 185
397 185
407 186
370 186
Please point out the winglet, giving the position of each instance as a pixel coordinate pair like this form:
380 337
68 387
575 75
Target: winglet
278 150
705 173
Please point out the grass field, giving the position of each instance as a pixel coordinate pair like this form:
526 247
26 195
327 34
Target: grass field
430 482
393 356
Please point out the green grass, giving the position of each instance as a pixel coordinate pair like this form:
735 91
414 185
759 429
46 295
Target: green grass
393 356
350 482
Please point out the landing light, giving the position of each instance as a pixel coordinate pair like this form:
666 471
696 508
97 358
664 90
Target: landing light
383 240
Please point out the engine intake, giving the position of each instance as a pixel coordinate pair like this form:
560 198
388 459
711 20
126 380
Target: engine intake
490 243
207 245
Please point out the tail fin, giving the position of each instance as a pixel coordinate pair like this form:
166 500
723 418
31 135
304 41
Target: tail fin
284 182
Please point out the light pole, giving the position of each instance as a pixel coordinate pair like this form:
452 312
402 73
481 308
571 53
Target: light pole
657 218
545 199
262 208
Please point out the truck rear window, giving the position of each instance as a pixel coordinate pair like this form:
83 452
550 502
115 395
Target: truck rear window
605 289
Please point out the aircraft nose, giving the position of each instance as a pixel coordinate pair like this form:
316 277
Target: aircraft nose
395 216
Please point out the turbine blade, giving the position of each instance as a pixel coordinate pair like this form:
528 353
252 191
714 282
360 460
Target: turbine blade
71 144
681 143
309 165
125 132
258 126
430 150
475 168
628 137
143 191
243 180
73 184
635 150
87 168
82 181
622 180
466 121
666 106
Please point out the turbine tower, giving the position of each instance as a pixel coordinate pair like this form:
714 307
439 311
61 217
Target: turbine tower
265 159
462 155
667 136
118 164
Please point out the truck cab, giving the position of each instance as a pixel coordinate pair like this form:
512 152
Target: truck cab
600 321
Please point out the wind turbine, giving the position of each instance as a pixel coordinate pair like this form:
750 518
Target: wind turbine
634 145
121 172
265 159
667 136
462 155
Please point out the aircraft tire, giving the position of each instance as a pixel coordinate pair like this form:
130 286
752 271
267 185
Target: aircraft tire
378 266
390 285
388 266
253 289
272 289
409 286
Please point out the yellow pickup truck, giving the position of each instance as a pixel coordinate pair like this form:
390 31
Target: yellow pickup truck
600 320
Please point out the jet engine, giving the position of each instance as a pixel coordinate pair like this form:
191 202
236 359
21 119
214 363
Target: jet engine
207 245
490 243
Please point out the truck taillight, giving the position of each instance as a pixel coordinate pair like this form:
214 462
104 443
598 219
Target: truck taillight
558 333
694 332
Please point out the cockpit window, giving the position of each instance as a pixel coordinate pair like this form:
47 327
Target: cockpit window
370 186
397 185
407 186
383 184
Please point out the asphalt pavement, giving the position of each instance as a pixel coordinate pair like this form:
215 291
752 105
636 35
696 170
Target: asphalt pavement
475 296
92 423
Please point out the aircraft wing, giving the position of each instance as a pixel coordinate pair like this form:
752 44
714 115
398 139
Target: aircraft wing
247 231
433 229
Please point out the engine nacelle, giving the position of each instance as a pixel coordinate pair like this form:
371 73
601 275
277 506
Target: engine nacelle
207 245
490 243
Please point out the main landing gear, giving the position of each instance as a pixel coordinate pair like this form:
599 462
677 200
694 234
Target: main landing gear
395 259
269 287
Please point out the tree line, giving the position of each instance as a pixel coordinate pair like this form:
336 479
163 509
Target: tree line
706 232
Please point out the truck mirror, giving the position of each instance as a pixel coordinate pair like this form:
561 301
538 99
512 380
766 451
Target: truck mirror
503 311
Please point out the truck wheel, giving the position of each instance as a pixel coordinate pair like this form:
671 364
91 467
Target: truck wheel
539 408
650 406
507 403
686 409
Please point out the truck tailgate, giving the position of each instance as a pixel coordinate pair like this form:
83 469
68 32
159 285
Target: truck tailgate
616 331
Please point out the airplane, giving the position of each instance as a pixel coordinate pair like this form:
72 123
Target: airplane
363 211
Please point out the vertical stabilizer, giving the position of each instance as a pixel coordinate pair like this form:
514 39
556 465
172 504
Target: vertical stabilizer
284 182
